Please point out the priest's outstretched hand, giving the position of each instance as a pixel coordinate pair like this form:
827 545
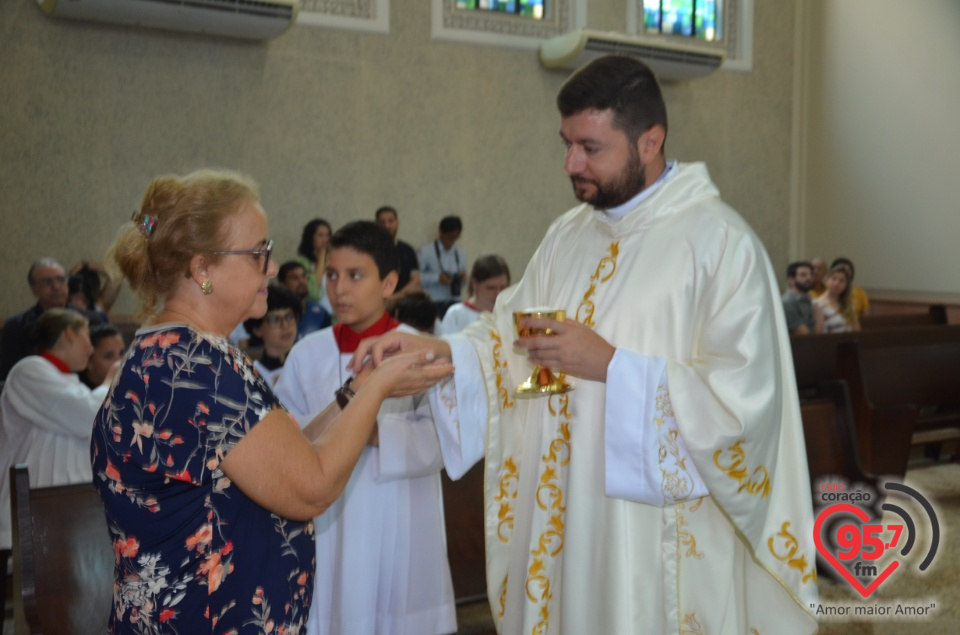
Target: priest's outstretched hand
573 348
376 349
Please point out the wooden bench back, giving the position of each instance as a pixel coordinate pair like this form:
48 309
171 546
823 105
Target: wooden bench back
921 375
936 315
815 356
63 558
828 431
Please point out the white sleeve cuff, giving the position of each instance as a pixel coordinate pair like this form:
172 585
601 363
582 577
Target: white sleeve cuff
459 406
646 458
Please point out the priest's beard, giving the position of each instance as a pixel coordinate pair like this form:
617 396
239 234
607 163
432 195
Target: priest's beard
617 191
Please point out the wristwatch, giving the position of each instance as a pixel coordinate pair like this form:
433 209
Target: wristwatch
345 393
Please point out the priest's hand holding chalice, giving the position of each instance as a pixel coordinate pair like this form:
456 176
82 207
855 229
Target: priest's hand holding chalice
542 380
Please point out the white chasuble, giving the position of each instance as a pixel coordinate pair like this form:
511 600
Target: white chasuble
680 283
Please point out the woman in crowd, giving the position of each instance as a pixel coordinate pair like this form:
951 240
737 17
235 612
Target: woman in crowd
108 347
208 484
275 332
47 413
489 276
839 314
312 254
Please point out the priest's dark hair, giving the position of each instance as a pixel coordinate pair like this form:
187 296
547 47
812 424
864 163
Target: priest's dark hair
369 238
619 83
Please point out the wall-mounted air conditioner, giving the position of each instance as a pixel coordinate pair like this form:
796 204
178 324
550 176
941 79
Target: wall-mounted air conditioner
669 60
252 19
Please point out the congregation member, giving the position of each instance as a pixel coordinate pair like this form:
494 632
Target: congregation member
802 316
275 332
381 555
488 277
312 254
313 316
858 296
668 492
819 267
443 265
93 288
408 271
209 486
48 283
108 349
46 412
417 310
836 303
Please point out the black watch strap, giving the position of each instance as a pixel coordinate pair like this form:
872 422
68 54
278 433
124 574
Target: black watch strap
345 393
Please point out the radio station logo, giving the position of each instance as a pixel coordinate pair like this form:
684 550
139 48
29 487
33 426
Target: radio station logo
863 549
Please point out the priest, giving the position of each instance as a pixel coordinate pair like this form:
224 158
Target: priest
667 492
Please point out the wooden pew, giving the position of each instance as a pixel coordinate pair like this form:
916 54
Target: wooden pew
463 516
815 356
901 395
62 558
829 432
936 315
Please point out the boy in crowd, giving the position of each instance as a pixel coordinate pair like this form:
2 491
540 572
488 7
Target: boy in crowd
381 551
276 332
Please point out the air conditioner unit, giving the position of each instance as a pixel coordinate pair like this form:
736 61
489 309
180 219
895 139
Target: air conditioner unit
251 19
669 60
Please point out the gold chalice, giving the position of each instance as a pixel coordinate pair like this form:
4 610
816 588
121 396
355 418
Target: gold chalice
542 380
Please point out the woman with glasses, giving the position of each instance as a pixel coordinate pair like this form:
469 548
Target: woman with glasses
208 484
275 332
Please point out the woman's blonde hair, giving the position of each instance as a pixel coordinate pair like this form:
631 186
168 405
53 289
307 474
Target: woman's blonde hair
52 323
180 217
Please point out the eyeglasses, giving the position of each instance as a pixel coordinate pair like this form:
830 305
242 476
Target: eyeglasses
283 318
49 282
263 252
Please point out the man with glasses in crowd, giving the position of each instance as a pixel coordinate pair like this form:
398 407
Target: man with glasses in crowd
48 283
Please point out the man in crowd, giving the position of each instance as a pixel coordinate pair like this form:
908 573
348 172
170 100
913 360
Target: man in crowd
48 283
443 265
819 266
668 492
313 317
409 270
803 317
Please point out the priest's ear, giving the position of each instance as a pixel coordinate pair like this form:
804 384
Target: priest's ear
650 143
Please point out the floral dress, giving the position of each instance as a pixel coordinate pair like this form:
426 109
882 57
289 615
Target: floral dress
193 553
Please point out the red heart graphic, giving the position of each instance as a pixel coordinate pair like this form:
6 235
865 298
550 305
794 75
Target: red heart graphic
818 539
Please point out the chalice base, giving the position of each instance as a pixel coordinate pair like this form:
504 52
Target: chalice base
543 381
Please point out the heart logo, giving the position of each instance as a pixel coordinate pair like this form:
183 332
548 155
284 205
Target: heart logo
874 542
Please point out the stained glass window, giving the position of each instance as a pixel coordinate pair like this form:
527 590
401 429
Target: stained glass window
700 19
524 8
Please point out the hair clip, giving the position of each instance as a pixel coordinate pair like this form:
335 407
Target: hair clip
146 225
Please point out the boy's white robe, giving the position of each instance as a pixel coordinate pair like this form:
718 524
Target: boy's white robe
381 549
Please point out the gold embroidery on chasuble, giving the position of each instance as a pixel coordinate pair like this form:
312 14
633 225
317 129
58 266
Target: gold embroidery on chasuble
550 494
784 547
736 468
605 270
685 538
690 626
676 482
499 365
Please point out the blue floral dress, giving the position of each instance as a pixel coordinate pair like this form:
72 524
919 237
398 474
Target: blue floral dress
193 553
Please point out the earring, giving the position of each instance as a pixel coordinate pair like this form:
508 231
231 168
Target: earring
206 286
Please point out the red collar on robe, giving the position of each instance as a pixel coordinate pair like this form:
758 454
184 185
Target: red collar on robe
348 340
474 307
56 361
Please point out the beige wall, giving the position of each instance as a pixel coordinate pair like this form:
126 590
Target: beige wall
882 135
334 124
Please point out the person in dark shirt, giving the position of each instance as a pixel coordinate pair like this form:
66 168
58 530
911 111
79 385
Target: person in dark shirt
48 283
409 267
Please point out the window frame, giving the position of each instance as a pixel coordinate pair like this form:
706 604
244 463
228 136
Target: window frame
370 16
737 39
